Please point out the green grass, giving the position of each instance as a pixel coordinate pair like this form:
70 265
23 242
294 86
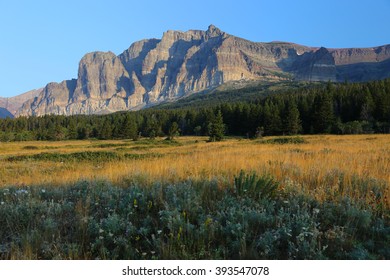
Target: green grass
251 219
285 140
60 157
95 156
30 147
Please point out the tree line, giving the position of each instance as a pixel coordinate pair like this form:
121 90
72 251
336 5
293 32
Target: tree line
346 108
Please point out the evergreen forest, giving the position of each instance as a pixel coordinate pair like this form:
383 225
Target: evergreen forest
325 108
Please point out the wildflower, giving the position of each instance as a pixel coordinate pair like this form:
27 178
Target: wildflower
316 210
43 191
111 234
159 231
22 191
144 254
101 230
101 237
2 203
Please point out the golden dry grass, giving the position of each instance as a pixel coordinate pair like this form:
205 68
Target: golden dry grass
321 166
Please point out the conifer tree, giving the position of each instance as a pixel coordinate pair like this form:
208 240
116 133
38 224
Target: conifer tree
72 129
216 128
323 113
129 128
106 131
292 120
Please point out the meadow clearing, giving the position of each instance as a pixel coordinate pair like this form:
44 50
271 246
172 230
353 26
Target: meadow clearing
315 164
314 194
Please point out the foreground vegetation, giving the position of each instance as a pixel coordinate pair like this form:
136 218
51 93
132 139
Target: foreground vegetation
300 197
252 219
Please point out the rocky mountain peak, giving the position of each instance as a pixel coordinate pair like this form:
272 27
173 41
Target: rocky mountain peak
214 31
182 63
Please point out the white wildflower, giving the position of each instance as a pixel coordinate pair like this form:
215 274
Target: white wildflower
22 191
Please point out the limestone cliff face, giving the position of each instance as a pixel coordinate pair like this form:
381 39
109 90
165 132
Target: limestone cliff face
181 63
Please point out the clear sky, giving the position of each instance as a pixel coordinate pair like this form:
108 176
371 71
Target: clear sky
42 41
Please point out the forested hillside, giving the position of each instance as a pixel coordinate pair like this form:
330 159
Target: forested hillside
326 108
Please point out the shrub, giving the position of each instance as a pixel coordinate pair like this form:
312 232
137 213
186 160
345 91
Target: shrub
255 186
60 157
30 148
189 220
285 140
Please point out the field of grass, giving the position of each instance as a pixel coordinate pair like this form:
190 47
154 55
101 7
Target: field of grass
306 197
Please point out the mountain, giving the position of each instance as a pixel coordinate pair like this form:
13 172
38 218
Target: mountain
4 113
13 104
182 63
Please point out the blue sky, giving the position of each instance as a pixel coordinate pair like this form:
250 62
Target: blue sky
42 41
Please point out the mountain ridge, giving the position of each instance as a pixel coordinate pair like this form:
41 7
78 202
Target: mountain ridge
12 104
181 63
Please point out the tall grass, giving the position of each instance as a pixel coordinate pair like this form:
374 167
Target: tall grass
279 198
320 166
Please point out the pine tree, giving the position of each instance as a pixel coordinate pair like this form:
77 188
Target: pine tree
72 129
129 128
106 131
292 120
216 128
152 126
323 113
272 120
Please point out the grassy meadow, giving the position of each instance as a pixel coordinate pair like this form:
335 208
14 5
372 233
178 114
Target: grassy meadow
300 197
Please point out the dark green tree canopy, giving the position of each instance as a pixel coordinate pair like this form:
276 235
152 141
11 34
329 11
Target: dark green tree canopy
326 108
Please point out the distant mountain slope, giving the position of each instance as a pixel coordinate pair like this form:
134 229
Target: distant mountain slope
4 113
13 104
181 63
233 92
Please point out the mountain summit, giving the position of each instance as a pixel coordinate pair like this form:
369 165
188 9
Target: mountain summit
182 63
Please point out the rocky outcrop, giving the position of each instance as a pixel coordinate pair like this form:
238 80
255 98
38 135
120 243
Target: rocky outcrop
13 104
318 65
182 63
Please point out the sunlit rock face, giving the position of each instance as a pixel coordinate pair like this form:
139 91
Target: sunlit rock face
182 63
